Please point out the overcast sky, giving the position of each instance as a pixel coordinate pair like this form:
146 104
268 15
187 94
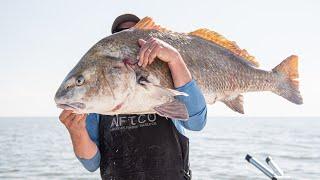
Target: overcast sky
42 40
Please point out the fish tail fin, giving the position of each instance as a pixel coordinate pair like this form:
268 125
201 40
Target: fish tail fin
288 87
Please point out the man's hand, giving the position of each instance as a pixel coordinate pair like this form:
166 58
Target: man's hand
75 123
153 48
156 48
83 146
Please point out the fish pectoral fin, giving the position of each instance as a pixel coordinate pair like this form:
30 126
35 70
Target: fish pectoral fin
177 93
235 104
170 91
174 110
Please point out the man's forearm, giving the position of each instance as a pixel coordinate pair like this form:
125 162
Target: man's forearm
83 146
196 106
179 71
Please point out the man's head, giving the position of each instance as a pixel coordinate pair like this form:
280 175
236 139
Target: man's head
124 21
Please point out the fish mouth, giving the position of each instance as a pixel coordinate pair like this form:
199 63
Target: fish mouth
71 106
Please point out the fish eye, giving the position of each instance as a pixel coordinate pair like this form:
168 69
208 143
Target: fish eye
79 80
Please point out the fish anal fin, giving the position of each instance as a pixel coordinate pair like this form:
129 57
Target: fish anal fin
235 104
224 42
148 23
174 110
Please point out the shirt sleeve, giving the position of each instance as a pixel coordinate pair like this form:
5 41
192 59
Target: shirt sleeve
91 164
196 106
92 125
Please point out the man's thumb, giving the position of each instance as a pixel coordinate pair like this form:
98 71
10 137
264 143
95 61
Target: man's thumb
141 42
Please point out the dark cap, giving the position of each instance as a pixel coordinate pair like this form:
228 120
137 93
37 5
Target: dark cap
123 18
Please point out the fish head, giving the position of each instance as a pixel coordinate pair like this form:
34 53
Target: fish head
100 83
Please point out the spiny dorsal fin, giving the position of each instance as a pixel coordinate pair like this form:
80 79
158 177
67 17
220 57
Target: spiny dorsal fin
224 42
148 23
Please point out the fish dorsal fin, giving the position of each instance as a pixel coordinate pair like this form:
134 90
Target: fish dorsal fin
148 23
224 42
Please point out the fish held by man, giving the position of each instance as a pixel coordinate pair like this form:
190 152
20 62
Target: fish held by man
107 80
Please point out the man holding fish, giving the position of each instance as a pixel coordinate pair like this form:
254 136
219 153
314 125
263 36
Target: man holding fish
145 84
143 145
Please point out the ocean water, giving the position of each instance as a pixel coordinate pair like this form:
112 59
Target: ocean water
40 148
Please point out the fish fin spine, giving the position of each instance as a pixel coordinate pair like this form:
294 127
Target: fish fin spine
224 42
288 87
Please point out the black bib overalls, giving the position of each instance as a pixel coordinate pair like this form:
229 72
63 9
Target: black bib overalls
142 147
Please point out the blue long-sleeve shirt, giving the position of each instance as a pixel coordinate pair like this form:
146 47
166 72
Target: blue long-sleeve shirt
196 107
